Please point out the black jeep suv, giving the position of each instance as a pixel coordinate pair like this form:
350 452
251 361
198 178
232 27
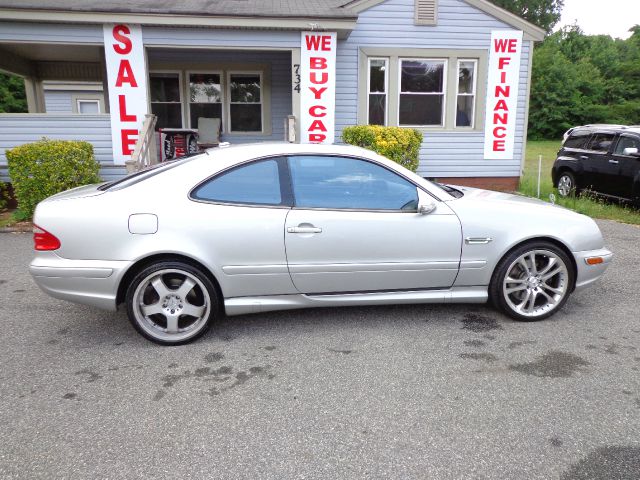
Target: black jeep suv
604 159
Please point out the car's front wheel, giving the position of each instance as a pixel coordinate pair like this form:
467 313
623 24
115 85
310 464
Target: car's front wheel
532 281
171 302
567 184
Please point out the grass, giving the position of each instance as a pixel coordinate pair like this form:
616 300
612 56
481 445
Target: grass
586 203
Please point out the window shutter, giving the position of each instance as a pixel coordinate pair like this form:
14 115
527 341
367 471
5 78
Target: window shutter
426 12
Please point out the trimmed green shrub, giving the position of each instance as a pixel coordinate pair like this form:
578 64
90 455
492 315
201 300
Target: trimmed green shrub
44 168
402 145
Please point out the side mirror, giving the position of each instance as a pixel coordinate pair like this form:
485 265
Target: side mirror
631 151
426 208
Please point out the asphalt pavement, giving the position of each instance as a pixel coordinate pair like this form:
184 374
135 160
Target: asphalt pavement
398 392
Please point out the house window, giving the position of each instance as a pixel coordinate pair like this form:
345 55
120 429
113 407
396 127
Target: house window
422 92
466 95
205 96
88 106
165 99
245 102
377 91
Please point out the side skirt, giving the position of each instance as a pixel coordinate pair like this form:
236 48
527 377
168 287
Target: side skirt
245 305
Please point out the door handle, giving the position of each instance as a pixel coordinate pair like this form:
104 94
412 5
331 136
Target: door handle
584 157
304 230
615 162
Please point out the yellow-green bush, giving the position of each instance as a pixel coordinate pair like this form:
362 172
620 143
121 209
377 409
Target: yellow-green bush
44 168
402 145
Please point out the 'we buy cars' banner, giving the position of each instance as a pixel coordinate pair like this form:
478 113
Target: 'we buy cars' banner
318 87
127 80
502 94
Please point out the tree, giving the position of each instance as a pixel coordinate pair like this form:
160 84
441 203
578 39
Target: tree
579 79
12 95
544 13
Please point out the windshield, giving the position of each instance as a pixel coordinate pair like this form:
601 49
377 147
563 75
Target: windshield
148 172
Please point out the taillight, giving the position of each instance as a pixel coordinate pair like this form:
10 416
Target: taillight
43 240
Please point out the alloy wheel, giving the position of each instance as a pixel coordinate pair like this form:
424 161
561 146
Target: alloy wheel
171 305
535 283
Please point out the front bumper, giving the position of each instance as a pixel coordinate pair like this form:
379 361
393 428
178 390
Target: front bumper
89 282
588 274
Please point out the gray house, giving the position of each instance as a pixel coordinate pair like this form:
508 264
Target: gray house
446 67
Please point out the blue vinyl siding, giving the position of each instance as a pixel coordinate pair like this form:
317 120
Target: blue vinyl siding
460 26
19 128
58 102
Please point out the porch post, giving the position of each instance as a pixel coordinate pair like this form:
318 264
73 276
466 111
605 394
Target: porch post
105 81
35 95
295 89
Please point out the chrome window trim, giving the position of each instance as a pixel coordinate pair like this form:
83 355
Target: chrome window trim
292 206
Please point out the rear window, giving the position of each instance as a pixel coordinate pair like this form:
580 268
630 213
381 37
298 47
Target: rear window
148 172
577 139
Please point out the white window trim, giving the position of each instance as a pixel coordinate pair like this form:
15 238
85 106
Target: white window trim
187 82
445 70
180 91
386 87
88 100
473 90
229 103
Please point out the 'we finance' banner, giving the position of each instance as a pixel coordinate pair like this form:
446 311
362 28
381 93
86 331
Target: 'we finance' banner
318 87
127 80
502 94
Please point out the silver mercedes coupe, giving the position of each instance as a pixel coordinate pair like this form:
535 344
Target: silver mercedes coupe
262 227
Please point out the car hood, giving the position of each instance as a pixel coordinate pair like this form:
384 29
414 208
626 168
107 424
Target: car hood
485 213
478 194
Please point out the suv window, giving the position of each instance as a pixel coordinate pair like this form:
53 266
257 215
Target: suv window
256 183
626 142
349 183
577 139
601 142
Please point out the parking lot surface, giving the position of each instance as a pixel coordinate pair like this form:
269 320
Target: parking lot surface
398 392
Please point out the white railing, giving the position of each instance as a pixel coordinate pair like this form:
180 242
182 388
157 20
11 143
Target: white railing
145 152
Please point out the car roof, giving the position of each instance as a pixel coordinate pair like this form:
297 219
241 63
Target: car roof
273 148
608 128
228 156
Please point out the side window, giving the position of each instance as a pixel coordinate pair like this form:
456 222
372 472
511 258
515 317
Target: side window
627 142
601 142
349 183
257 183
578 139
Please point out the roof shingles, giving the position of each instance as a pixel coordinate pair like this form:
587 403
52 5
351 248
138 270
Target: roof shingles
253 8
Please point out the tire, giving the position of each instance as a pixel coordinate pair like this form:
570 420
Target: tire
171 303
533 281
567 185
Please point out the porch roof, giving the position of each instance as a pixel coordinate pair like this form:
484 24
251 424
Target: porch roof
221 8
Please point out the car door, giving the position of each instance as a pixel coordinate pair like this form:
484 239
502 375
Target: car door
355 227
628 165
599 171
241 213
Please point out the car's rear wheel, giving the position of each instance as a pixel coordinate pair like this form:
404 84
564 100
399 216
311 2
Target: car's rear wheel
567 184
533 281
171 303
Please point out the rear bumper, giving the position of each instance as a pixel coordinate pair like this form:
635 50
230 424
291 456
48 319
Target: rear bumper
89 282
588 274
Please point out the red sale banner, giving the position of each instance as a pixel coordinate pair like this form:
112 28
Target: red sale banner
318 87
127 80
502 94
